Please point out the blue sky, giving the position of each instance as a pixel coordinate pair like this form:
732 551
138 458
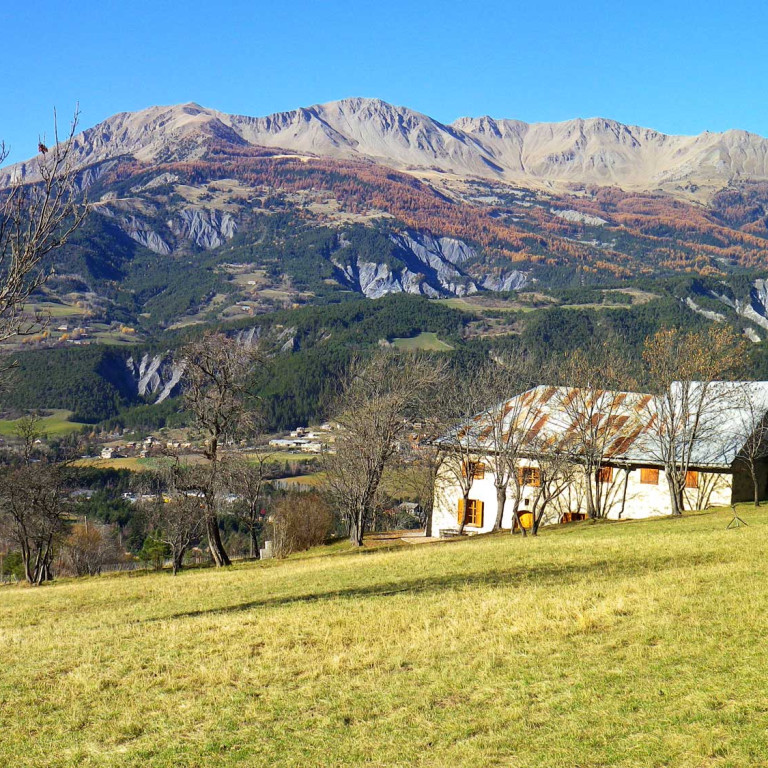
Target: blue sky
679 67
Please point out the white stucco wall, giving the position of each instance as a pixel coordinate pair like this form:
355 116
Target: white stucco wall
642 499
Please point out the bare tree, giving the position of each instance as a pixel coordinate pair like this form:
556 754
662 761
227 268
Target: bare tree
28 431
683 369
507 424
216 371
555 470
418 469
592 402
300 521
378 403
34 505
89 547
750 425
465 399
249 480
37 215
173 516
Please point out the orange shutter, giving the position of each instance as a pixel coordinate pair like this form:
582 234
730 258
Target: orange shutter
649 476
691 479
460 513
478 470
605 474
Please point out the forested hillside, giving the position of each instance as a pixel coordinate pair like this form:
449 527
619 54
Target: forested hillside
309 348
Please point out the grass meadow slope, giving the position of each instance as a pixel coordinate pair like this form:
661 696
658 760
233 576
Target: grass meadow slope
629 644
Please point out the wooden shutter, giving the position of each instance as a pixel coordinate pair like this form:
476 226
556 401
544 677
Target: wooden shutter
477 468
460 512
649 476
605 474
692 479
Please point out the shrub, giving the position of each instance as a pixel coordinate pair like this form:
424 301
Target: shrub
300 521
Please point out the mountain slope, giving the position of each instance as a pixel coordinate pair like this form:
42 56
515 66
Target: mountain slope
198 216
556 155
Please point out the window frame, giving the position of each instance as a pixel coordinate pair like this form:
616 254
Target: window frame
529 476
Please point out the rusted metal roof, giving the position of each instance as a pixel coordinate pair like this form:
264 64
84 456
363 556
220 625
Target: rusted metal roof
620 426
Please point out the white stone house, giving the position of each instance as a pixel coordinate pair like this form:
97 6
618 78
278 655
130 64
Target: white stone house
631 475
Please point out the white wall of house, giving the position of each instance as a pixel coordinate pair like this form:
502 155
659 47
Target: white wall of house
642 499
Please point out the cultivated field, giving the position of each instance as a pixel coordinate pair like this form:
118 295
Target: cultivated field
627 644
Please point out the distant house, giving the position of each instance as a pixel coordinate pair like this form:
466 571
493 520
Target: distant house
631 473
111 453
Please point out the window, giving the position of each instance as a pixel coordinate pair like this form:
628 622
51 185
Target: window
474 512
605 474
691 479
649 476
529 476
476 467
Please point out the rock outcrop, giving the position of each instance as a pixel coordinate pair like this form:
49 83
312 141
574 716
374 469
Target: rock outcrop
205 228
158 375
431 266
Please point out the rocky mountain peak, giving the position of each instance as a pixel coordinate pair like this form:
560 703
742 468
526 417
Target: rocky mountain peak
580 151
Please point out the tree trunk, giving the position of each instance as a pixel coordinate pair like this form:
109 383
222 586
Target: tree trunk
428 523
675 495
755 485
356 529
501 500
516 522
254 545
464 516
624 494
591 512
219 554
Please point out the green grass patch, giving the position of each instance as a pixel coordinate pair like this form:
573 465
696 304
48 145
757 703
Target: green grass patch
54 425
622 644
55 310
426 340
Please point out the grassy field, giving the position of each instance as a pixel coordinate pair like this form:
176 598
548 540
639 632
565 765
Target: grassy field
138 464
55 425
425 340
134 463
629 644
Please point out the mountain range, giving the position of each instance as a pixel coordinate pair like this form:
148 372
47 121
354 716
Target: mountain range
594 151
200 216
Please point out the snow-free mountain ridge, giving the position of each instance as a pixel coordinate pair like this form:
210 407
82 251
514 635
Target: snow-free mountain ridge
593 151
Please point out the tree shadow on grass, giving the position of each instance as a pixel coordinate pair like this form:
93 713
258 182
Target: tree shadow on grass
554 575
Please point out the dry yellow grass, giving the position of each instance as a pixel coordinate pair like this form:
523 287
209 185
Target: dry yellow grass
631 644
